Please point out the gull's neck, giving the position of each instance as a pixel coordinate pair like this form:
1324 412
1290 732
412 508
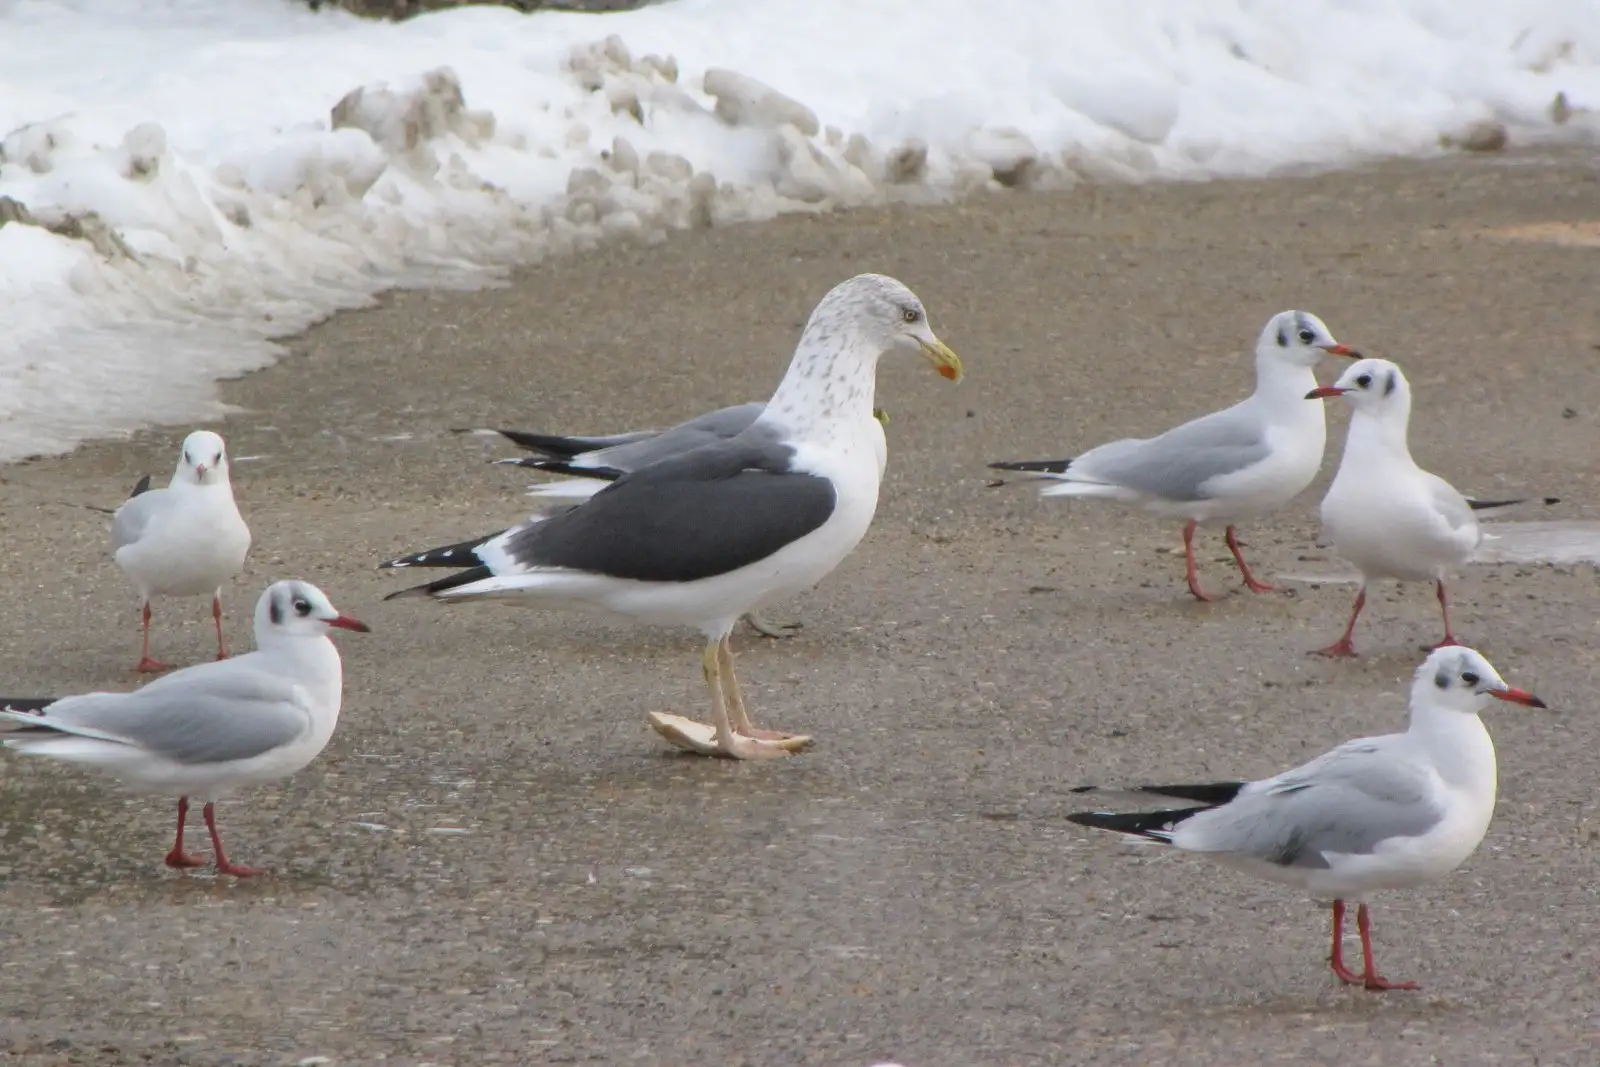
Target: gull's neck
828 389
1458 745
1381 433
312 662
1281 389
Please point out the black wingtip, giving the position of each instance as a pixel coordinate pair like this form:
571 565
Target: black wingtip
1485 505
1042 466
1154 825
466 577
142 486
1210 793
460 554
557 466
32 705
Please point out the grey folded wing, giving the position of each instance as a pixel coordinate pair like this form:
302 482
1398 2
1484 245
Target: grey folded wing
1179 464
1348 801
203 715
130 520
713 426
1450 504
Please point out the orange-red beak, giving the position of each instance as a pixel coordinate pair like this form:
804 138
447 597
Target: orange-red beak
1322 392
1518 696
345 622
1341 350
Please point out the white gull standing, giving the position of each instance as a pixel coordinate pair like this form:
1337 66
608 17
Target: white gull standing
1235 464
1375 813
207 730
701 538
185 540
589 463
1383 513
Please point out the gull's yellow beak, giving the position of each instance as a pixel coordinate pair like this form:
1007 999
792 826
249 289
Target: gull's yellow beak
944 360
881 415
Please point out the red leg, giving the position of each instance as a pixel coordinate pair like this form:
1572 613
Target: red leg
223 866
1250 582
1188 555
216 616
1370 976
1444 609
146 664
178 857
1342 647
1336 960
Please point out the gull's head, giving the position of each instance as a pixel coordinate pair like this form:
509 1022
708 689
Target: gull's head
1300 339
1371 385
203 461
1457 678
883 314
299 609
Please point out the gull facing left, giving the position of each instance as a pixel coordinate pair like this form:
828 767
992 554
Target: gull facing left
704 537
1376 813
1383 513
210 729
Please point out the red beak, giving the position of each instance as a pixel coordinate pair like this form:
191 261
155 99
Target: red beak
1520 696
1342 350
199 470
1322 392
345 622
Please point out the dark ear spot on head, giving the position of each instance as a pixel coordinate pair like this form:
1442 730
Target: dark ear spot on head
275 611
1442 679
1390 384
1283 337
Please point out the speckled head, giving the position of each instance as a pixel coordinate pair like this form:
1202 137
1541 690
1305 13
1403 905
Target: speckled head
1300 339
1457 678
880 314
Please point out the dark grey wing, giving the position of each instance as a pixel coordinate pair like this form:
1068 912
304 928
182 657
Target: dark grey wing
1348 801
704 513
559 446
1178 464
213 713
129 521
719 425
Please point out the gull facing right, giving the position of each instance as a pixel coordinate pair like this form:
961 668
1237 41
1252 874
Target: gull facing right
1238 463
1383 513
1375 813
209 729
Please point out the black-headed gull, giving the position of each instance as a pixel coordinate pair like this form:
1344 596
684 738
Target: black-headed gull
1384 514
207 730
1375 813
702 538
591 462
185 540
1235 464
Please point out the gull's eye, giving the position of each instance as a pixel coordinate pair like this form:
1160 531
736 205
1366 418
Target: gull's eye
216 459
1470 678
1306 337
302 606
911 314
1364 381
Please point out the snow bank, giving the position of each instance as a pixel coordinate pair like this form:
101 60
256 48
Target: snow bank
189 179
